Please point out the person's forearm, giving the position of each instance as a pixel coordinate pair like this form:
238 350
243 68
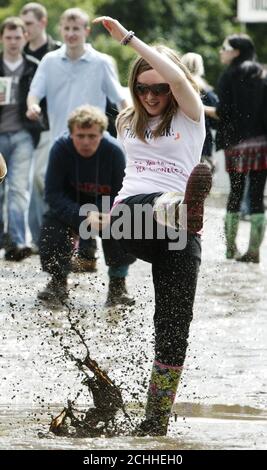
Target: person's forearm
210 111
164 66
34 110
65 208
32 100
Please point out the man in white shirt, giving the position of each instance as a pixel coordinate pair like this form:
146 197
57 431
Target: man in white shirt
74 75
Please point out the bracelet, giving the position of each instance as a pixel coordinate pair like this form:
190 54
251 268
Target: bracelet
127 38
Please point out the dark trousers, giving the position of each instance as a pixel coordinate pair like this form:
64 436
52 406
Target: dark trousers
256 181
56 248
175 275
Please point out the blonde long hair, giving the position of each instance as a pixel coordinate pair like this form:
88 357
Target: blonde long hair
136 116
194 63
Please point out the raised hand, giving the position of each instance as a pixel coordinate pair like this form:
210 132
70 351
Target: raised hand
115 29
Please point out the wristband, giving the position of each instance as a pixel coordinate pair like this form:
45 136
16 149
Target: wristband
127 38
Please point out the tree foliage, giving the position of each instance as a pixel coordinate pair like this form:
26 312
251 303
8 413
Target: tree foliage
196 25
187 25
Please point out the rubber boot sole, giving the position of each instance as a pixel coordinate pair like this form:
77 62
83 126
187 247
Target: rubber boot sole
197 189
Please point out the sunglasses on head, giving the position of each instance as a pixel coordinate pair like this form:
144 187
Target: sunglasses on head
158 89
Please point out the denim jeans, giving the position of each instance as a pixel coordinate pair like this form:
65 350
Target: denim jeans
37 203
17 148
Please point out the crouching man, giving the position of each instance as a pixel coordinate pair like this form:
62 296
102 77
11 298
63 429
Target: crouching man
84 167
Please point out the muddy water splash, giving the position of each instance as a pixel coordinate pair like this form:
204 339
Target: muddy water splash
107 398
